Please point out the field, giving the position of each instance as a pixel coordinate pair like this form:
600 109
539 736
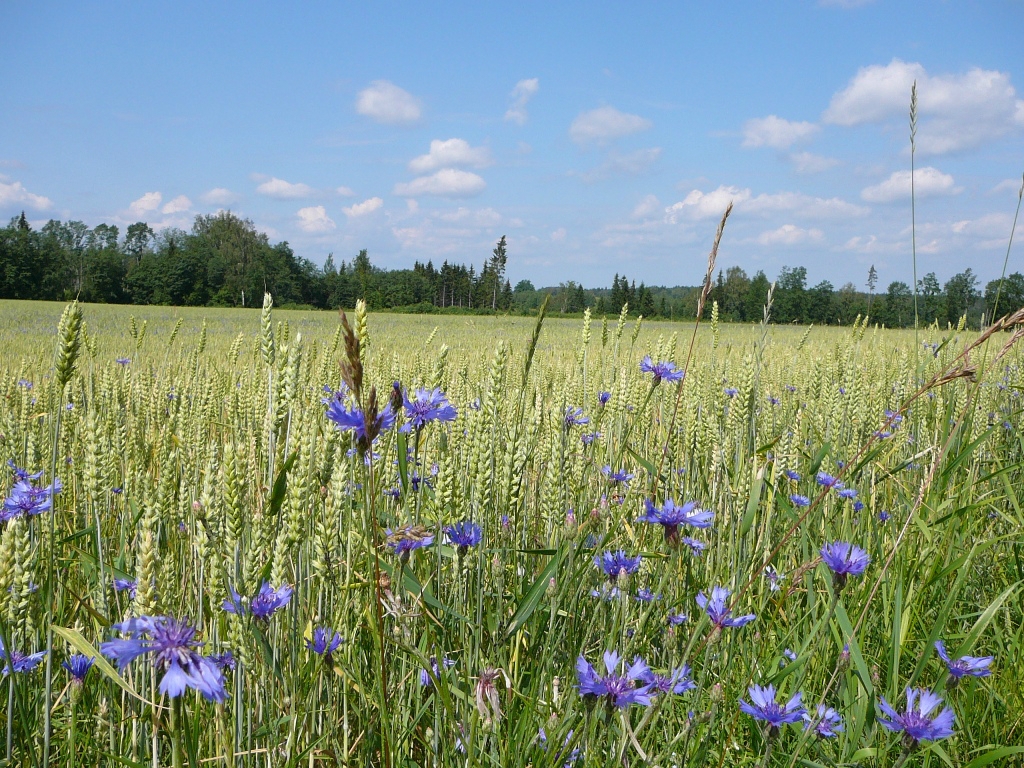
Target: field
200 456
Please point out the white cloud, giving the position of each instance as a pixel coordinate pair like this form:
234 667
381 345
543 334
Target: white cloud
776 132
646 208
448 182
558 235
363 208
790 234
177 205
928 181
630 164
145 204
218 196
314 219
955 112
806 162
483 217
449 154
345 191
988 226
520 96
385 102
412 205
702 205
284 190
601 125
1007 185
15 194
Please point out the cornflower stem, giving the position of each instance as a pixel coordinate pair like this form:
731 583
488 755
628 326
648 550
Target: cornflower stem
902 758
50 592
768 748
175 733
71 734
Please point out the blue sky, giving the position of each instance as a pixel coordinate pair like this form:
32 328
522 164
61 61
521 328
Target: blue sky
599 138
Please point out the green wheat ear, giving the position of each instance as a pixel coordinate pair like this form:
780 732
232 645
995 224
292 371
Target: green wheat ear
69 344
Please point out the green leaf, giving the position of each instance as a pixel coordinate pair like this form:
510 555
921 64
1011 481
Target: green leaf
818 458
403 461
756 486
533 596
74 638
992 755
858 659
984 620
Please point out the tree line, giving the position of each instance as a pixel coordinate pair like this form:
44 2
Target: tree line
223 260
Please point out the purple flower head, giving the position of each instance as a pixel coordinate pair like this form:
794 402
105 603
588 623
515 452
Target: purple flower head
773 400
848 493
965 666
828 724
662 371
731 392
129 585
617 476
678 681
615 564
25 383
29 499
355 420
789 654
764 707
719 612
429 405
793 475
917 723
696 546
883 517
123 361
775 578
324 643
464 535
604 397
829 481
23 474
224 661
589 437
675 619
78 667
670 517
263 604
800 501
407 538
844 559
20 661
173 646
646 596
574 418
619 690
425 678
858 505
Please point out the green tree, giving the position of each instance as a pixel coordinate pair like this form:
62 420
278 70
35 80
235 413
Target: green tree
961 294
1010 293
899 307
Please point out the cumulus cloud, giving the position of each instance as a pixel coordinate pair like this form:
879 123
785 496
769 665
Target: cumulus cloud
776 132
147 203
314 220
520 97
177 205
702 205
219 196
448 182
482 217
955 111
345 191
807 162
449 154
385 102
629 164
1007 185
646 208
790 234
14 194
601 125
928 181
363 208
284 190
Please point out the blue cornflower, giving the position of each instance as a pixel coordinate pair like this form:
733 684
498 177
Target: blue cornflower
574 418
800 501
604 397
844 559
121 585
324 643
675 619
590 437
407 538
775 578
464 535
173 645
829 481
426 680
696 546
429 405
618 690
790 388
858 505
646 596
570 759
20 661
793 475
883 517
615 564
731 392
25 383
355 419
617 476
662 370
23 474
224 661
670 517
773 400
893 417
719 612
29 499
848 493
916 723
122 361
678 681
78 667
263 604
790 654
965 666
766 708
828 724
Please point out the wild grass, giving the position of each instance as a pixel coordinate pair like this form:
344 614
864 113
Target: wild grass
206 464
